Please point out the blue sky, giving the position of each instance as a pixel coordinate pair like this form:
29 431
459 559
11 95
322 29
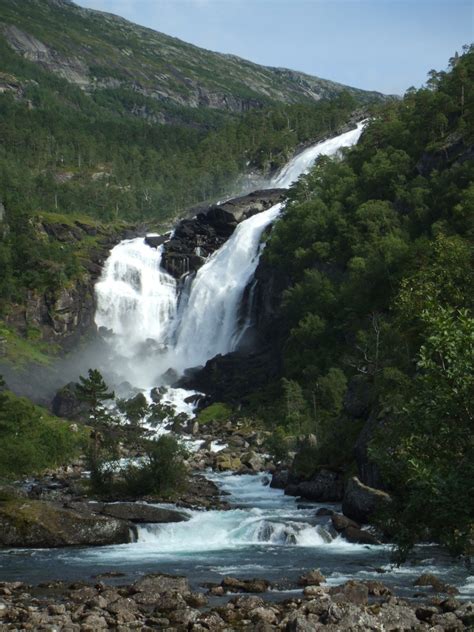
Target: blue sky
386 45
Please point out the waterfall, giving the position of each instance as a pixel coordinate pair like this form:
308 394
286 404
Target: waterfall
302 162
154 328
209 325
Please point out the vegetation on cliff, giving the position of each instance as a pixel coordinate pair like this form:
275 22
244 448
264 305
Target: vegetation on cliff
378 248
31 439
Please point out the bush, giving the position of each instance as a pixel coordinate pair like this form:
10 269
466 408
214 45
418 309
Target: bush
161 472
214 412
31 440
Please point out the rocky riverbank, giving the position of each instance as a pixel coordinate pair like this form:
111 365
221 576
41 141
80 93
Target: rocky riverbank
165 602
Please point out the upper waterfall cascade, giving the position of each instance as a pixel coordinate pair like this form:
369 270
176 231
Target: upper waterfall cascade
157 327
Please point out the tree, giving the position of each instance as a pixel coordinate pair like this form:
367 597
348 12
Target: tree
135 409
162 470
430 440
94 391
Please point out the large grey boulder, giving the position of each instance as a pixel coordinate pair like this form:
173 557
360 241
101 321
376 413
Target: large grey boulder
361 502
40 524
141 512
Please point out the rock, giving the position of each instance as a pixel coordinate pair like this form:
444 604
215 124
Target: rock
448 621
428 579
161 583
265 614
227 462
324 511
425 613
352 591
142 512
377 589
280 479
232 584
43 524
360 502
359 536
324 486
67 404
196 600
340 522
194 239
449 605
466 613
253 461
155 240
313 578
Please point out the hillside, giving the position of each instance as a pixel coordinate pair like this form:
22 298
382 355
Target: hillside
151 74
103 119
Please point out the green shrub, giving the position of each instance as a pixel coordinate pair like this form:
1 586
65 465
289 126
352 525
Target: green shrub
214 412
161 472
31 440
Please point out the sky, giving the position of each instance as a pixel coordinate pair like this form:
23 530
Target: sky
384 45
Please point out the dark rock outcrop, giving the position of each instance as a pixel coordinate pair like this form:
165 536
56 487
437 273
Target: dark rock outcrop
324 486
39 524
195 238
66 404
361 502
232 376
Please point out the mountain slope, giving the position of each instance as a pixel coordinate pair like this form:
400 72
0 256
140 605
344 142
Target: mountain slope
102 52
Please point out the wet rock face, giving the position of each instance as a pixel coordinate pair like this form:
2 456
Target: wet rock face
196 238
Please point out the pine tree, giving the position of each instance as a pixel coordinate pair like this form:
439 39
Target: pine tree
94 391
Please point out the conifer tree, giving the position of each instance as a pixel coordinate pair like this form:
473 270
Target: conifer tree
94 391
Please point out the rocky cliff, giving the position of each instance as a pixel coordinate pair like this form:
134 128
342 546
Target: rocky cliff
197 237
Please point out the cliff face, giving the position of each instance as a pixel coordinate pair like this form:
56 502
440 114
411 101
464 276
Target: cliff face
63 314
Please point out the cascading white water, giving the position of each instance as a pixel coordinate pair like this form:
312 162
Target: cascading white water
138 301
209 324
303 161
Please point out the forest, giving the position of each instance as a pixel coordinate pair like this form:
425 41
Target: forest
379 251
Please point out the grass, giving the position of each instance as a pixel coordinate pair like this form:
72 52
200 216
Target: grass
20 351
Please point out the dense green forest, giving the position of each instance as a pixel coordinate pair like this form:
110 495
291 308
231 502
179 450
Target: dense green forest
378 247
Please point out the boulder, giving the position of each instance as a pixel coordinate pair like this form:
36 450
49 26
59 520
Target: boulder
359 536
428 579
340 522
231 584
360 501
312 578
155 240
253 461
66 404
227 462
352 591
280 479
324 486
40 524
141 512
